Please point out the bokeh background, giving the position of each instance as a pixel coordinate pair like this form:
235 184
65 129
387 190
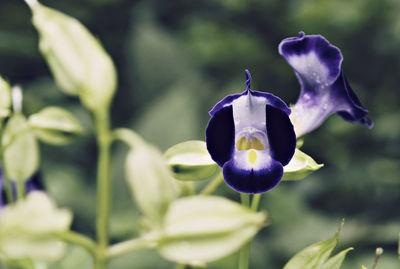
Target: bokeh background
177 58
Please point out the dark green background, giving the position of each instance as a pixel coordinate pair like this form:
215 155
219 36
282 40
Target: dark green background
177 58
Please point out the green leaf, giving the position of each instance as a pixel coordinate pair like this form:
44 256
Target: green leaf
206 228
76 58
190 161
54 125
5 98
336 261
27 227
363 267
314 256
150 180
21 151
300 166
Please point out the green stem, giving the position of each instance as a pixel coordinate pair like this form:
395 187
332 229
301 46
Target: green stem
79 240
129 246
127 136
6 180
213 185
20 190
245 198
103 137
244 254
255 202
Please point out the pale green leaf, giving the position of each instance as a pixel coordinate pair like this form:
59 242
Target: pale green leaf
55 125
363 267
300 166
190 160
150 180
314 256
27 228
336 261
76 58
206 228
21 151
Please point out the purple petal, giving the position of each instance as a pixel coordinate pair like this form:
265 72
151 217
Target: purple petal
281 136
250 180
220 135
313 58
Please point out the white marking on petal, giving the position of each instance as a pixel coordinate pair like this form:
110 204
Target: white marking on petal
311 69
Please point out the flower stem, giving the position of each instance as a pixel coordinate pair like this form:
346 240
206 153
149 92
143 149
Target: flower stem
103 137
6 181
244 253
255 202
79 240
20 189
129 246
213 185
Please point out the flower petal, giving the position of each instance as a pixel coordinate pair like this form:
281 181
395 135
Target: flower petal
281 136
220 135
249 180
315 61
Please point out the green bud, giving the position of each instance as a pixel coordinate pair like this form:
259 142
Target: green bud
76 58
300 166
190 161
20 149
5 98
206 228
27 228
55 125
150 180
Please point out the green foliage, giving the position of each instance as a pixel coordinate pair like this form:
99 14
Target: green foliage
206 228
55 125
317 255
27 229
79 63
20 149
300 166
190 160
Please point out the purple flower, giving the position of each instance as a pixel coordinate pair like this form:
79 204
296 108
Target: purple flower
251 137
324 88
32 184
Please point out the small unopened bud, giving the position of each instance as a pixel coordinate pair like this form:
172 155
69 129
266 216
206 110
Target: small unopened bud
16 92
379 251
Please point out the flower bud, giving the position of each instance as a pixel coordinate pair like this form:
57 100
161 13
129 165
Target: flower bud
76 58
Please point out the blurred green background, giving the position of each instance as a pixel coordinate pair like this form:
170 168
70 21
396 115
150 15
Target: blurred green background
177 58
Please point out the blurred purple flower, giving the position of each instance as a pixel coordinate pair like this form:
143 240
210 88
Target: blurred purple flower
32 184
251 137
324 88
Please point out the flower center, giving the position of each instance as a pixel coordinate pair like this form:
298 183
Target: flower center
252 156
244 144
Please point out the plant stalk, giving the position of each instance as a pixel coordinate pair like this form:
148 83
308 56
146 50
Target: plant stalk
244 253
103 136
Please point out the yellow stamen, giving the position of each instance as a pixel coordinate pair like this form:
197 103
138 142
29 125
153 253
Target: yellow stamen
244 144
252 156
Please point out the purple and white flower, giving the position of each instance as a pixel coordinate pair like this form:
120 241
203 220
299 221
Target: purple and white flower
324 88
251 137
